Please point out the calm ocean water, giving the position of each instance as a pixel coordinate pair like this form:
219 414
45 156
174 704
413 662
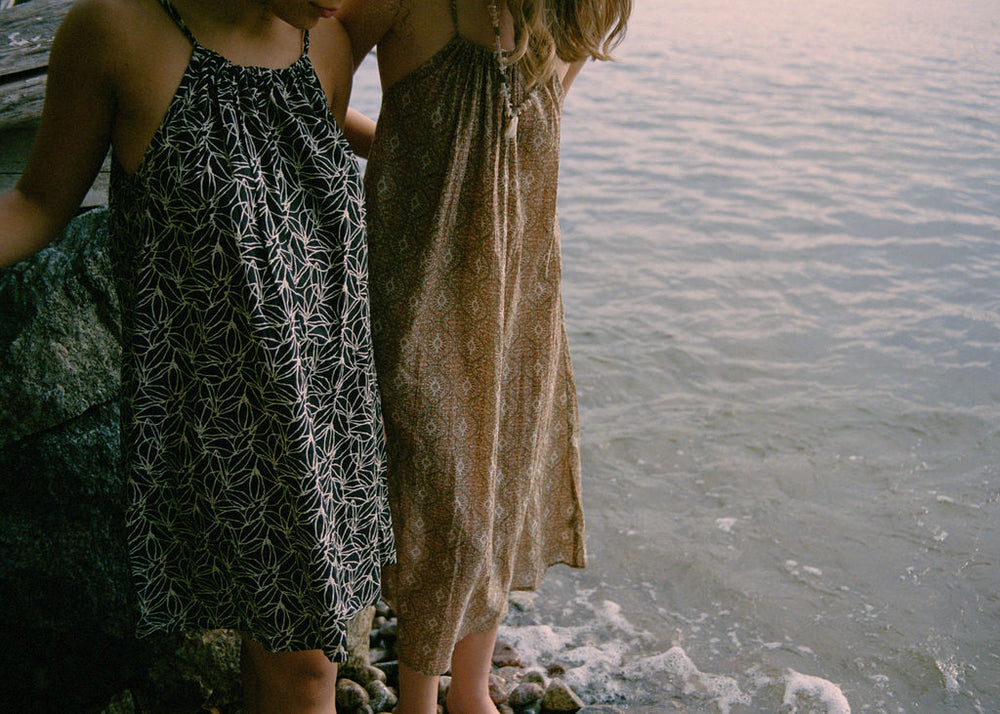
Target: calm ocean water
781 234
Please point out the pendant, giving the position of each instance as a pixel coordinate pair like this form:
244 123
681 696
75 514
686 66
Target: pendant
512 127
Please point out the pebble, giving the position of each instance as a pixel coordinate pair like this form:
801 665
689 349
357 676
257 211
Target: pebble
525 694
559 697
444 681
380 697
504 655
364 674
522 601
510 674
388 630
391 669
351 696
498 689
534 675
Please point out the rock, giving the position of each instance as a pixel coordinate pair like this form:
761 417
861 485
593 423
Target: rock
362 674
522 601
357 637
498 689
559 697
535 675
388 631
556 669
444 683
504 655
600 709
65 584
525 694
59 346
391 669
504 709
511 674
380 697
351 696
193 670
121 703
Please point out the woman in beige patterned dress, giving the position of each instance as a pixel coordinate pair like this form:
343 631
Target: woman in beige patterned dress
470 345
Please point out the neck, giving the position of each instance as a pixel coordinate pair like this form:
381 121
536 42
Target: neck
246 32
246 16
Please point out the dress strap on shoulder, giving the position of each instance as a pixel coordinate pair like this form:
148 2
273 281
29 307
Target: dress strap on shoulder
454 14
305 42
176 17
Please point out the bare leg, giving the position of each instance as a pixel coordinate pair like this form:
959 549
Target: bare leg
287 682
251 682
418 692
471 661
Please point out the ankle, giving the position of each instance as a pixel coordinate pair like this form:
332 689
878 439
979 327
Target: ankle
465 702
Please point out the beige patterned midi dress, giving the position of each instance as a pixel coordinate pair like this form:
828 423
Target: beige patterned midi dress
471 352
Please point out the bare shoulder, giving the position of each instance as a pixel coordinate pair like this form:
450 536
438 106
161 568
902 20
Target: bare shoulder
330 51
110 34
368 22
329 41
90 27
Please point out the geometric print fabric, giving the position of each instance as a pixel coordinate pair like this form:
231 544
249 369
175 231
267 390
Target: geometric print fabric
470 344
251 425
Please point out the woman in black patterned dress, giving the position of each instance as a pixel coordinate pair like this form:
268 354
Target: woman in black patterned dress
251 428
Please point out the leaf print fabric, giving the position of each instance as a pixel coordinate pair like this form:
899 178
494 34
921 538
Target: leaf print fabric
251 425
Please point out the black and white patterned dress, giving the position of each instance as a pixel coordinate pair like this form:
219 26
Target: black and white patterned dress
251 426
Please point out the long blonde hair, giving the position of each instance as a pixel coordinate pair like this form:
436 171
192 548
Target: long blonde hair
571 30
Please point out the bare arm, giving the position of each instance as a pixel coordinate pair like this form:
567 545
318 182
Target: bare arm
360 131
330 52
335 65
367 23
570 73
72 140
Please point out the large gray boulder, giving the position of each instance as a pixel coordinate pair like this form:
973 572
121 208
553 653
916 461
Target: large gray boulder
66 612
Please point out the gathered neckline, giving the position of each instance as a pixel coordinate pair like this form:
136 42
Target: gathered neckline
428 64
252 68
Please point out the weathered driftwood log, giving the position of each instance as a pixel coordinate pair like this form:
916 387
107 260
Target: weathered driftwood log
26 32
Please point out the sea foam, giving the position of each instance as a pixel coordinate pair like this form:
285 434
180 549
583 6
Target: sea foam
606 660
807 691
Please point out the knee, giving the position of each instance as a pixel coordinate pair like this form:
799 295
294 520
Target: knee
312 683
293 681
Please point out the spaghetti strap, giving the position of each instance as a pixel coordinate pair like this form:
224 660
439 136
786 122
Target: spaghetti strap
176 17
454 14
179 21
